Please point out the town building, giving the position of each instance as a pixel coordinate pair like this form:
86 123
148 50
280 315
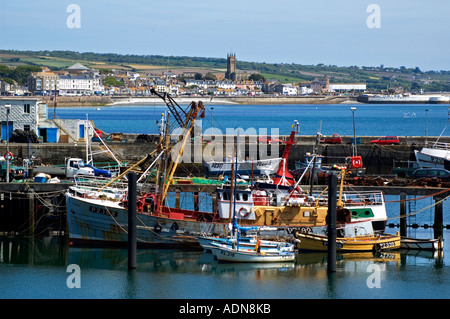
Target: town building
43 82
236 75
347 87
30 114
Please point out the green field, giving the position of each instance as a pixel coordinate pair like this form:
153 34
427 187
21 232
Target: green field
376 78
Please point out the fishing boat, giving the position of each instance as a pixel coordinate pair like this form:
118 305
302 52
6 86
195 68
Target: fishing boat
245 242
380 242
229 254
95 218
244 167
422 243
436 155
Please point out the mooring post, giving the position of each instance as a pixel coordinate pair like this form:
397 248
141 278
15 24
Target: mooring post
31 212
214 202
196 206
132 194
177 198
402 214
438 226
331 224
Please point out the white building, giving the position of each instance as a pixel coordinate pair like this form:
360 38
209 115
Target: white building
304 90
23 113
346 87
30 114
226 85
76 85
289 89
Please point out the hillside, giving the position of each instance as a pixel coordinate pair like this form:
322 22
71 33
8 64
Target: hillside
376 78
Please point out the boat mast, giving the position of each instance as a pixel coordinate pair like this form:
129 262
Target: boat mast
187 130
311 177
448 119
235 183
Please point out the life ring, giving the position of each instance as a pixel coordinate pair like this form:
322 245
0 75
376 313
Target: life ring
8 155
243 212
258 193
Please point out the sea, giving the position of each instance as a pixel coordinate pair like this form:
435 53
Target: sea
49 267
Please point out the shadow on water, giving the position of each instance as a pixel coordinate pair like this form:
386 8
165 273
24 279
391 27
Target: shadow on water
56 251
194 274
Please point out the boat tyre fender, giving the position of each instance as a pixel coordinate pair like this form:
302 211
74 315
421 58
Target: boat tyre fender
376 247
157 228
243 212
175 226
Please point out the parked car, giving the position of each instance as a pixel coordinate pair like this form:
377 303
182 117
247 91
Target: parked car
386 140
334 139
269 139
405 169
15 172
98 171
439 173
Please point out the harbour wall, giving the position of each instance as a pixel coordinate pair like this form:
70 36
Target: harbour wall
84 101
378 159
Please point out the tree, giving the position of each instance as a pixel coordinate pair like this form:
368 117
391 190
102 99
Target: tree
210 77
112 81
257 77
198 76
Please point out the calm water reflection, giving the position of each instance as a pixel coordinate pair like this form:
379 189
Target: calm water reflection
38 269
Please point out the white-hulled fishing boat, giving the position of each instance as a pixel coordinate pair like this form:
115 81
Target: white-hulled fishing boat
229 254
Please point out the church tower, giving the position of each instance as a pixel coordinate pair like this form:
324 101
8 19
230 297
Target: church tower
231 67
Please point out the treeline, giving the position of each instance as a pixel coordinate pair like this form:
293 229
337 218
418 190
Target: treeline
376 78
18 74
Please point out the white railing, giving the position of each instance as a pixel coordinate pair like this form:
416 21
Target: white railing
358 198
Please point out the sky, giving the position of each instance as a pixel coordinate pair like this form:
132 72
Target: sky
411 33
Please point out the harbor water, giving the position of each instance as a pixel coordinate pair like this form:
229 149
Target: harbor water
370 120
49 267
44 268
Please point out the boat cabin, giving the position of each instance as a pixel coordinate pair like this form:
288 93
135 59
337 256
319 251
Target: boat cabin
244 204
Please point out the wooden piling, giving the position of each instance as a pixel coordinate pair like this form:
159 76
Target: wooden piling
132 200
438 226
331 223
214 202
177 198
403 214
31 210
196 204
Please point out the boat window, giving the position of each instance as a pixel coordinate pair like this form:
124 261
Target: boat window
245 197
226 196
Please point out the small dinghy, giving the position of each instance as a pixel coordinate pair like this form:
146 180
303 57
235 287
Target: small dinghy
422 244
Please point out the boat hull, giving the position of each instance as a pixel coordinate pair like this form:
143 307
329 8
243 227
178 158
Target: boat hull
208 243
260 167
431 158
422 244
226 254
350 244
99 222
